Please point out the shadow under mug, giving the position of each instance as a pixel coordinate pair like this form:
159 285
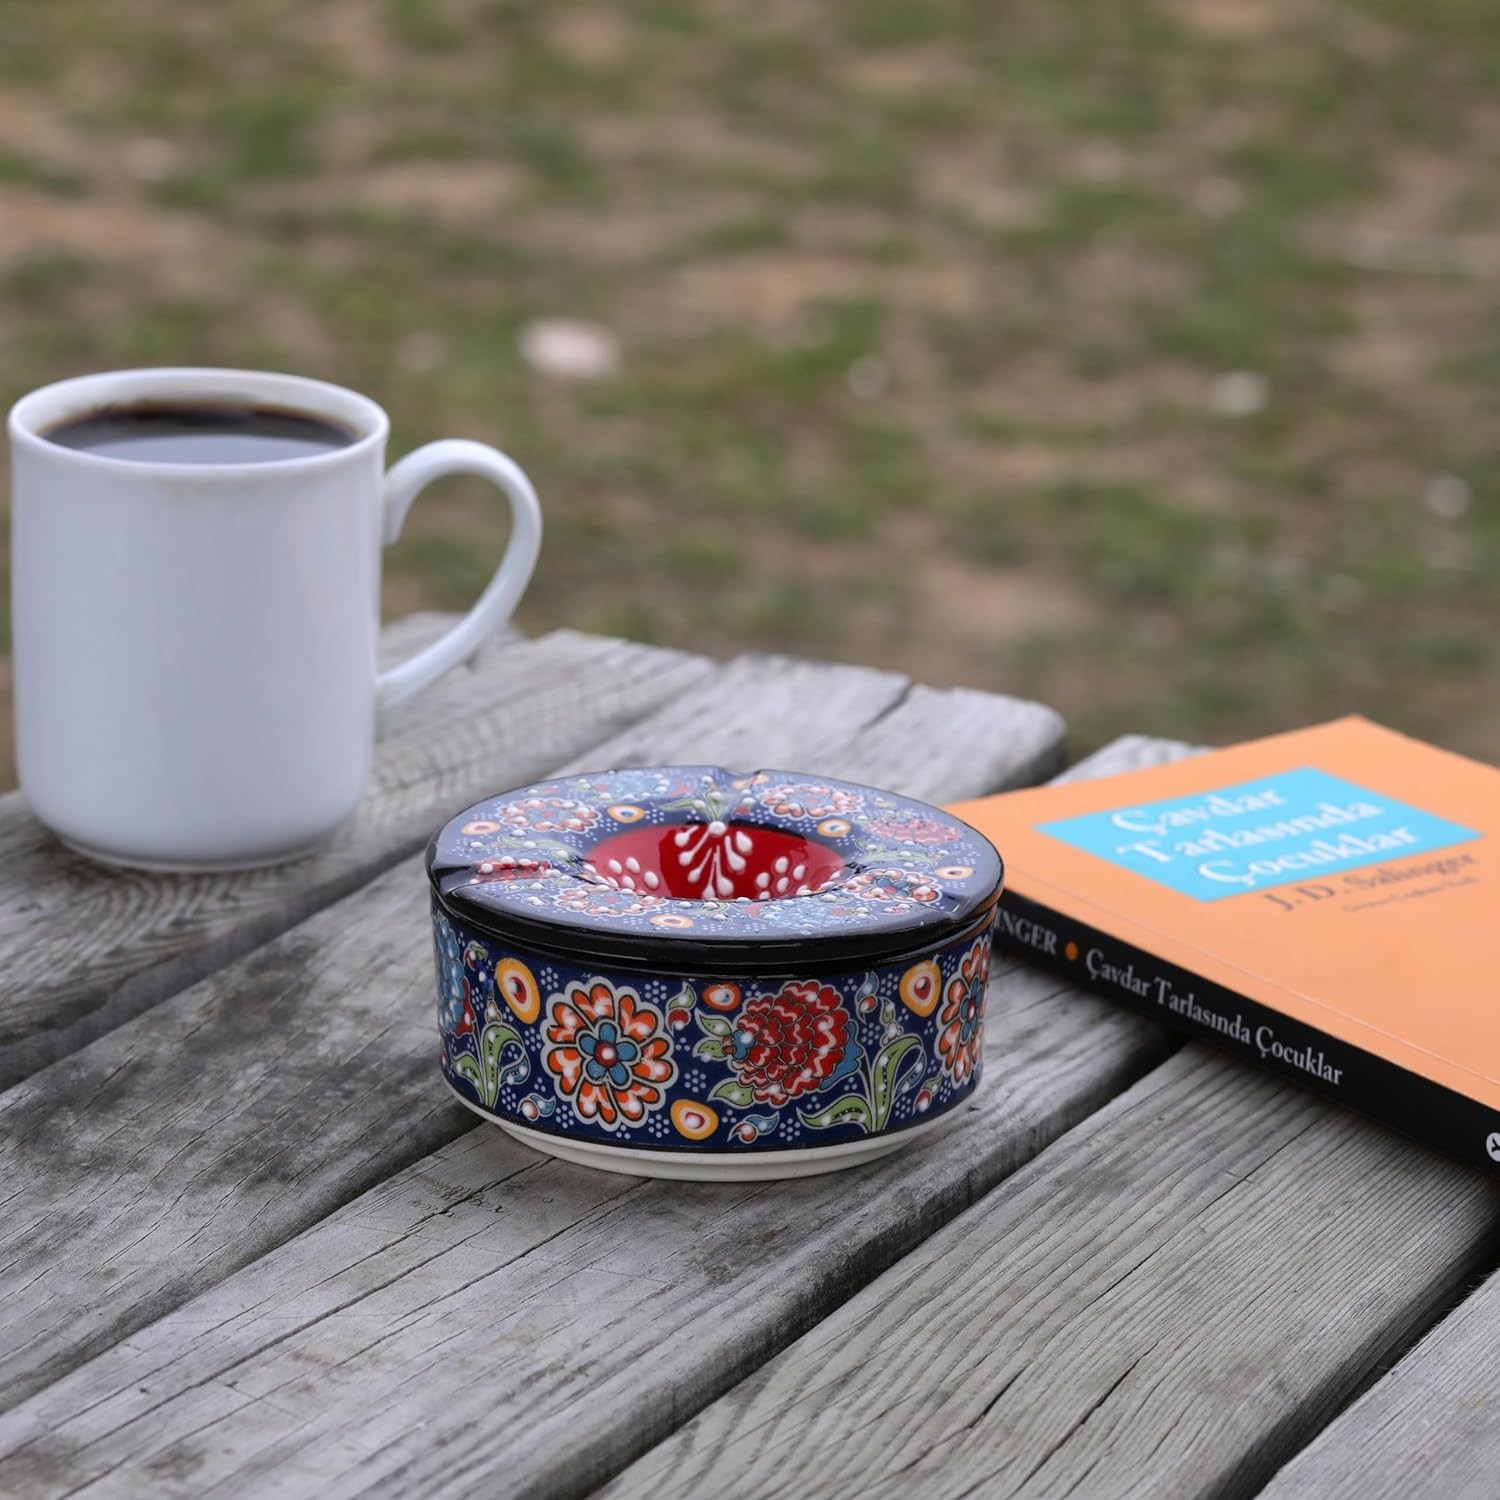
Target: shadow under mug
195 644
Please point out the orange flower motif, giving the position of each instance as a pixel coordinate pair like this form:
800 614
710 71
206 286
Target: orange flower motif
807 801
722 995
610 1053
547 815
960 1040
906 828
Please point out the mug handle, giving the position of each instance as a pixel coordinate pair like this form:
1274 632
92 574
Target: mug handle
403 482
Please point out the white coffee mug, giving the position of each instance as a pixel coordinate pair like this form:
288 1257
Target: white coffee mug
195 645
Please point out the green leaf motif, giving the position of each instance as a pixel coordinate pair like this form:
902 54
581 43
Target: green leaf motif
685 999
492 1043
883 1075
711 1046
714 1025
852 1109
467 1068
734 1092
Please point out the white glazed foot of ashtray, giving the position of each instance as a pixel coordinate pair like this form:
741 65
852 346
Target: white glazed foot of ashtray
687 972
707 1166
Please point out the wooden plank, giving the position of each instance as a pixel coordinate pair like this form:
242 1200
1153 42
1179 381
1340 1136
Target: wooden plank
939 744
1168 1301
83 948
177 1148
1429 1427
1131 752
382 1347
165 1138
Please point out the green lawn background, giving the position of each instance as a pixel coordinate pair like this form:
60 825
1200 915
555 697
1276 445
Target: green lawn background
1140 356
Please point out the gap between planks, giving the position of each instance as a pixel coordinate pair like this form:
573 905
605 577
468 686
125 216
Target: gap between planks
1430 1425
178 1148
1170 1300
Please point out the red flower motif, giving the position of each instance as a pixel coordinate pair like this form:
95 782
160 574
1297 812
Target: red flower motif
913 830
466 1019
609 1053
547 815
961 1036
507 868
790 1043
810 801
892 885
604 901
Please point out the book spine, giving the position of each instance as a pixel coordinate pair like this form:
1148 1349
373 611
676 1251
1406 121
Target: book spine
1163 991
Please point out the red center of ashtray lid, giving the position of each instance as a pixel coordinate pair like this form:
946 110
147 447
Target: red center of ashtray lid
715 861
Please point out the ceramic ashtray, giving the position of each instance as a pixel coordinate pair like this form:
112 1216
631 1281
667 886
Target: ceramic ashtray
688 972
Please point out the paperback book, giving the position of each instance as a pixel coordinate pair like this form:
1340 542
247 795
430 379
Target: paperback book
1324 902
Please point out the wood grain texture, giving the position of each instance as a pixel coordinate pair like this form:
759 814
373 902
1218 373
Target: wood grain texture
1166 1302
83 947
939 744
492 1321
1431 1426
392 1345
173 1150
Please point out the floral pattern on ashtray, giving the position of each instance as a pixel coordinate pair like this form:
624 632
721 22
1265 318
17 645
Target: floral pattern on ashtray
452 990
961 1023
791 1043
893 885
603 901
534 854
609 1052
548 815
807 801
707 1063
909 828
508 868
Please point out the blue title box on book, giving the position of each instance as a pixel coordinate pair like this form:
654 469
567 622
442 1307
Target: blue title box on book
1289 827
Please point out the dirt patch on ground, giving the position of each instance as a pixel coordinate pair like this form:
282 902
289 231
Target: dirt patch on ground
908 71
591 35
633 236
705 140
977 608
188 253
1242 20
463 195
354 35
770 292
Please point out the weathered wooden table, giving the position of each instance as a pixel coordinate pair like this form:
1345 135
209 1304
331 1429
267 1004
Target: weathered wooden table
251 1246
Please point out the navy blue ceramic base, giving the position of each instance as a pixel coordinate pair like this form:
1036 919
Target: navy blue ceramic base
709 1064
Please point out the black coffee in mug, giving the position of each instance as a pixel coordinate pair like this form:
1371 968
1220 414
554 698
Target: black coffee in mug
169 433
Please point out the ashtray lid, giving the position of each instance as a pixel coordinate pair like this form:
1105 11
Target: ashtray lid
669 866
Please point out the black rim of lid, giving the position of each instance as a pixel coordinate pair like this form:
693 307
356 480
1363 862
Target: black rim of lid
673 955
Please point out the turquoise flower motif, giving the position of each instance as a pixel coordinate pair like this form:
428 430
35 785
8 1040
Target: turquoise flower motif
450 975
607 1054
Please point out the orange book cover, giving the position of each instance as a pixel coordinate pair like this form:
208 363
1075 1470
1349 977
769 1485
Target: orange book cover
1326 902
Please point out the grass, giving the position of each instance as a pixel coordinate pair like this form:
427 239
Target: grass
907 300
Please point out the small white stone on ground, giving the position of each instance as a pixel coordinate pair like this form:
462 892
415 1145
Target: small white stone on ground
868 377
1240 393
1447 496
570 349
